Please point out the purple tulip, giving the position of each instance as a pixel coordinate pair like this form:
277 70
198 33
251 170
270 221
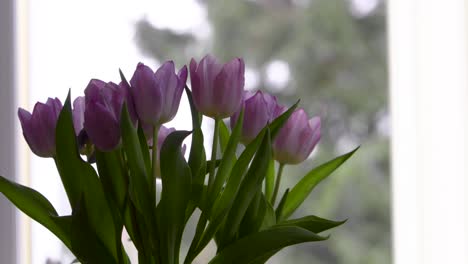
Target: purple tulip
162 135
297 138
259 109
217 89
78 114
102 113
156 96
39 127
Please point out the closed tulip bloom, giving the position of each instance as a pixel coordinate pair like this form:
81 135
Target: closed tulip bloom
259 109
39 127
78 114
102 114
162 135
297 138
156 96
217 89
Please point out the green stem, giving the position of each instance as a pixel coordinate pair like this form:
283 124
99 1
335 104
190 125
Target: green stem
155 162
277 184
214 149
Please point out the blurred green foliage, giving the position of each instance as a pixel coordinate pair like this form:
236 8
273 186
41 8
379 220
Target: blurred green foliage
338 67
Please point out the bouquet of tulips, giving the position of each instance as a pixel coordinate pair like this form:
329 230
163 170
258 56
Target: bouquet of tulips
111 149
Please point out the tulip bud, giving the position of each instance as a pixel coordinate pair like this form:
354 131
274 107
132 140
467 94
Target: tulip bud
297 138
162 135
217 89
39 127
259 109
78 114
156 96
102 113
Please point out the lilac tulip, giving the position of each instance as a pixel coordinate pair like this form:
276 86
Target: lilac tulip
102 113
297 138
162 135
39 127
78 114
259 109
217 89
156 96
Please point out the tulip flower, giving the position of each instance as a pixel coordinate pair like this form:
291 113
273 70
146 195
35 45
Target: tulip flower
297 138
259 109
102 113
39 127
217 89
162 135
156 96
78 114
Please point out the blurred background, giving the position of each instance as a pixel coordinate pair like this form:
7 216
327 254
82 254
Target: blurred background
331 54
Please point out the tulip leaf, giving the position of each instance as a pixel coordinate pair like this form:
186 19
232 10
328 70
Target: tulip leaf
223 203
255 247
112 176
175 196
86 246
115 185
139 176
253 218
138 188
312 223
197 156
279 209
304 187
249 186
227 161
81 181
223 136
270 180
36 206
144 148
270 216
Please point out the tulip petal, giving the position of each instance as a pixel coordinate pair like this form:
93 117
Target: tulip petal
102 128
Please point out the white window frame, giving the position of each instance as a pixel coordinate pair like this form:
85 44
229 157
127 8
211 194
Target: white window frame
7 131
429 98
14 225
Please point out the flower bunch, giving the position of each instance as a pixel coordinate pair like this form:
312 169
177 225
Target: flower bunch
121 128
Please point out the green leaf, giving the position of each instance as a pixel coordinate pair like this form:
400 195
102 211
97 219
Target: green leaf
312 223
81 181
227 161
143 218
270 217
305 186
224 202
255 247
253 218
139 176
113 177
36 206
249 186
232 186
224 136
270 180
144 148
279 209
197 156
114 182
176 181
87 247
